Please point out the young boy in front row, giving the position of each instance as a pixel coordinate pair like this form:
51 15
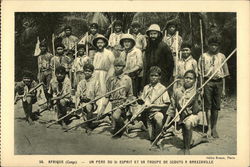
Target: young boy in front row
119 97
153 116
22 88
189 117
87 90
60 86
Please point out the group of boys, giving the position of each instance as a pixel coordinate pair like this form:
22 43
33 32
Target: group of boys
128 62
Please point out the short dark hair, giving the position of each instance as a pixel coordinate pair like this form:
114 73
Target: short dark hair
60 45
214 39
118 23
60 70
192 72
88 66
27 74
186 45
155 69
68 27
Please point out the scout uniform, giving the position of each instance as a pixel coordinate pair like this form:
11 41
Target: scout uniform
56 89
153 118
119 97
87 90
213 90
44 67
61 60
69 41
77 66
114 40
134 63
30 98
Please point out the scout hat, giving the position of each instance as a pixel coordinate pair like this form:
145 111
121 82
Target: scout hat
127 37
154 27
119 62
100 37
67 27
94 25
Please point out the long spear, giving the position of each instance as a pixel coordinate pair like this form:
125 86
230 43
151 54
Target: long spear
143 108
92 101
54 54
189 100
201 77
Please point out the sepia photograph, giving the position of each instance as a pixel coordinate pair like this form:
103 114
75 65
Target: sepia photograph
125 83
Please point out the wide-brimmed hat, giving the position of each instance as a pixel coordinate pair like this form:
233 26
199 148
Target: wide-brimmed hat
154 27
127 37
100 37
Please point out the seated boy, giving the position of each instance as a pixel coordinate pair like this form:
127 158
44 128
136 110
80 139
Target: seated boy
59 87
87 90
154 113
119 97
189 117
22 88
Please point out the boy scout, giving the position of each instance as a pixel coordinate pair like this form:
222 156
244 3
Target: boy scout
140 40
186 63
114 39
44 65
189 117
153 116
22 88
215 88
87 90
171 37
60 59
69 40
60 86
119 97
78 64
134 63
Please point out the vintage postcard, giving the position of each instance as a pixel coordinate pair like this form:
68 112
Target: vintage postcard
125 83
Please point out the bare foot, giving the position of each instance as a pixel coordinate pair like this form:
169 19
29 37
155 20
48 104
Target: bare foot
209 133
187 152
30 121
215 134
181 152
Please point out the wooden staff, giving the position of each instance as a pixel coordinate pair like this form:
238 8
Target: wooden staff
92 101
189 100
143 108
176 53
87 43
54 54
201 78
95 118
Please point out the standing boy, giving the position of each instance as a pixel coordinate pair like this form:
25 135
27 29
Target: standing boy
78 64
188 118
153 116
44 65
119 97
60 59
171 37
215 88
87 90
22 88
69 40
114 38
186 63
140 40
59 87
134 63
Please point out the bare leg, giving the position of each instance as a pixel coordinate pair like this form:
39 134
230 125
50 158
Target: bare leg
187 137
208 116
214 118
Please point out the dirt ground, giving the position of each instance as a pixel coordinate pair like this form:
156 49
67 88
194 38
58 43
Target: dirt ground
37 139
